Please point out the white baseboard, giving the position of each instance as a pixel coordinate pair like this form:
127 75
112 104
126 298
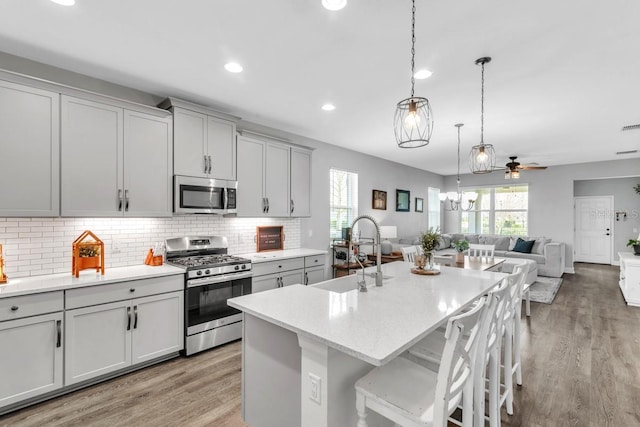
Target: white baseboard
569 270
616 263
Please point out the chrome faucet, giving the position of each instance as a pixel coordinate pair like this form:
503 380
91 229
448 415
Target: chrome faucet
378 248
362 284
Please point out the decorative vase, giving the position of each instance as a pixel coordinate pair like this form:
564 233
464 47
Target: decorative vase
459 258
420 261
429 260
636 249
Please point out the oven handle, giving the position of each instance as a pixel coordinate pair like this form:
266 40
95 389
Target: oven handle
217 279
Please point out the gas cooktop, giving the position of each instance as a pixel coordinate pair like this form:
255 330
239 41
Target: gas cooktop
208 260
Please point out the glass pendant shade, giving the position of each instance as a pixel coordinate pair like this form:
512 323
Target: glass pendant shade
413 122
482 158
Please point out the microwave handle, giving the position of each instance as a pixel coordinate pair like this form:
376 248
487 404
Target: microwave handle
225 199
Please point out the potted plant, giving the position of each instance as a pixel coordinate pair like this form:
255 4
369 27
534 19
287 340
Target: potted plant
460 246
636 245
429 240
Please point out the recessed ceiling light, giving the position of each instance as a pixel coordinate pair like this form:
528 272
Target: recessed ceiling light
65 2
334 4
422 74
328 107
233 67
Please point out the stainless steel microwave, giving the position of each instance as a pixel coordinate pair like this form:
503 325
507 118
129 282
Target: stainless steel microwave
204 196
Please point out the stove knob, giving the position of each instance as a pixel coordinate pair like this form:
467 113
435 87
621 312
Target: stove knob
244 266
199 272
236 268
207 271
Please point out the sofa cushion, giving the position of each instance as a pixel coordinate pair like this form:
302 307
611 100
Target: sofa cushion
523 246
472 238
501 242
455 237
444 242
538 246
540 259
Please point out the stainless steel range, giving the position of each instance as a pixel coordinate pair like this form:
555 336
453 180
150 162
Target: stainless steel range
212 276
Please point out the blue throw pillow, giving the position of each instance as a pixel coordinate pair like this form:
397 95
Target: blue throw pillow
523 246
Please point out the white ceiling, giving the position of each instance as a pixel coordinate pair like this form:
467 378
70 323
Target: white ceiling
564 79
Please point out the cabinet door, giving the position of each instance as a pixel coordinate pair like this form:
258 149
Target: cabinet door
264 283
97 340
300 182
92 144
250 171
29 151
31 357
221 148
189 139
158 327
292 277
277 179
147 165
314 275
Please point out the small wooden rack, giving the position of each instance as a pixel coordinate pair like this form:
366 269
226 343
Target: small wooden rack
87 254
3 277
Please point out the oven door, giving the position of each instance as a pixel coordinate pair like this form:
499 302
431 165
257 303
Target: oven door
206 301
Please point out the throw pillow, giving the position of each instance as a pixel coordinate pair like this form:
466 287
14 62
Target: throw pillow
538 246
502 243
523 246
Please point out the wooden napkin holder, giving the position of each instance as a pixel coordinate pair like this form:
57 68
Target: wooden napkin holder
87 254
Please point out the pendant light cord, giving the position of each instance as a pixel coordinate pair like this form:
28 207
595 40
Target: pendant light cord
458 126
482 108
413 45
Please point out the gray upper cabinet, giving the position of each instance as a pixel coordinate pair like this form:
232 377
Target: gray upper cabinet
115 162
274 179
204 141
29 151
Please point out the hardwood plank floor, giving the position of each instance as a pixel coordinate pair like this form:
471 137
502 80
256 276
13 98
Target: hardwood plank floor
580 368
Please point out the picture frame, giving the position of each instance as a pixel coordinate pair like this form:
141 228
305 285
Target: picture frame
419 204
403 201
379 200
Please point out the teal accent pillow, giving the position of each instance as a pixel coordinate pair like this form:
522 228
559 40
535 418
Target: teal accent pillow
523 246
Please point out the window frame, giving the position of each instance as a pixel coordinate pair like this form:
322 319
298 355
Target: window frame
352 200
492 209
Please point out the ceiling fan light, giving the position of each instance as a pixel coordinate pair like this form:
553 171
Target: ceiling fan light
482 159
515 174
507 174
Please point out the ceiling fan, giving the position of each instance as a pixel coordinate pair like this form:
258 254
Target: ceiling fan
512 169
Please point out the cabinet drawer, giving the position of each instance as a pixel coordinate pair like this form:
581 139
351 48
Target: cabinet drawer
271 267
102 294
30 305
313 261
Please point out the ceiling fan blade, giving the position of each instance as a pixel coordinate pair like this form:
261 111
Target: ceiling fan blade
531 168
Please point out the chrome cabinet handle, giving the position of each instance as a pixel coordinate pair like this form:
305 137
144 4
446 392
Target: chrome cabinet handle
128 318
126 200
267 199
59 333
14 308
210 164
264 205
306 278
293 206
119 200
206 165
135 317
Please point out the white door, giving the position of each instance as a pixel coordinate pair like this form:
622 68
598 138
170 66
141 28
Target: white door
190 134
593 229
91 148
300 182
97 340
250 170
277 180
221 147
29 151
31 357
147 165
158 327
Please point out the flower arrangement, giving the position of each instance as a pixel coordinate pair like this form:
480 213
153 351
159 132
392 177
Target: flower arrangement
637 188
429 240
461 245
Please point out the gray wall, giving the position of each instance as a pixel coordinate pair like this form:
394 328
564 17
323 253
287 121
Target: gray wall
624 199
550 195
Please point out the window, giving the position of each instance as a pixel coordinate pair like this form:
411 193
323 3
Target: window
343 203
433 207
498 210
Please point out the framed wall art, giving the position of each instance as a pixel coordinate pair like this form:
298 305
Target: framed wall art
403 200
419 204
379 200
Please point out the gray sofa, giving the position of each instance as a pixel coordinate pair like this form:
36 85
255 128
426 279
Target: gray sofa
548 255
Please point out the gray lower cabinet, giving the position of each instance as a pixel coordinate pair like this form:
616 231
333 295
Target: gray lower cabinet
313 275
105 338
276 274
31 345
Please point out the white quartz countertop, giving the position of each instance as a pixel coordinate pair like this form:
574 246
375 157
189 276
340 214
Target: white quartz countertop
374 326
64 281
258 257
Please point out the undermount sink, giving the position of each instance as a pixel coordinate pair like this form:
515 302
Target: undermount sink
348 283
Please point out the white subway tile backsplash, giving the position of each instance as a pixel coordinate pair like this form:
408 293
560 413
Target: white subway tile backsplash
36 246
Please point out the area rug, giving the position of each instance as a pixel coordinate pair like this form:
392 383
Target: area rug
544 289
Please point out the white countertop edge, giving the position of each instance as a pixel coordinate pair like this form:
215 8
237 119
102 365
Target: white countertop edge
65 281
266 256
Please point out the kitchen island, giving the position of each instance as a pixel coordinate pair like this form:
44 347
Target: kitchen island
304 347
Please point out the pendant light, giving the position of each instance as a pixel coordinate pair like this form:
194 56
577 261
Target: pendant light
482 158
413 121
458 201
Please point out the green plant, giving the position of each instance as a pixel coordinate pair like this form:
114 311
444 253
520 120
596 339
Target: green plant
633 242
429 239
637 188
461 245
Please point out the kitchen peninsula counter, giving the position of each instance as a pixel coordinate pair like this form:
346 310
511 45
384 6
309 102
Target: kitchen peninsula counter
333 334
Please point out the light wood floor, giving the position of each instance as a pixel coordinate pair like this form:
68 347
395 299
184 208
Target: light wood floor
581 358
